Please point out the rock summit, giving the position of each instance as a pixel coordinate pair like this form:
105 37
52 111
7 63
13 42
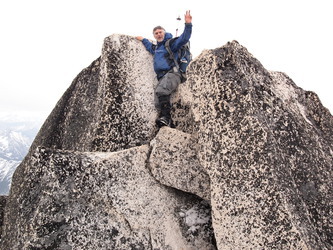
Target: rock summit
248 164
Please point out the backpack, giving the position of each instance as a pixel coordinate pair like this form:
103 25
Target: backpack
184 57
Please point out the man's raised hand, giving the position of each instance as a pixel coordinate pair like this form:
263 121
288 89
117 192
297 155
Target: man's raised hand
188 17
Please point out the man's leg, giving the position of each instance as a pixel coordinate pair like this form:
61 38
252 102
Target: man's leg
167 85
165 111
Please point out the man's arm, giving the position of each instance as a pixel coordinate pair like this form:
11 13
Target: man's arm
186 35
146 43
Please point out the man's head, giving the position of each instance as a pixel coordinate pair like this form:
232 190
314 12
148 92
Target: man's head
159 33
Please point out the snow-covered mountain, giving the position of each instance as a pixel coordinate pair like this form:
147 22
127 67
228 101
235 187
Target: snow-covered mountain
7 168
16 136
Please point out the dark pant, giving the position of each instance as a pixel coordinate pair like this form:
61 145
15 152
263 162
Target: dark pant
165 106
166 86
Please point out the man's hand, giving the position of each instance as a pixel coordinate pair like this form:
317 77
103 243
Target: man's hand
188 17
140 38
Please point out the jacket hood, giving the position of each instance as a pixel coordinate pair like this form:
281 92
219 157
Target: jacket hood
167 36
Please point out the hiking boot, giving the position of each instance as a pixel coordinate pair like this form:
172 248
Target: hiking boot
163 121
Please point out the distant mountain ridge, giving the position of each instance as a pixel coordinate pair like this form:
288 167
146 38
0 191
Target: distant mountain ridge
16 136
7 168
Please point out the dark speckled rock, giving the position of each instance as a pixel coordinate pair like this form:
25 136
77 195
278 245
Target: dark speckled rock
173 162
267 147
85 183
110 104
2 210
250 160
77 200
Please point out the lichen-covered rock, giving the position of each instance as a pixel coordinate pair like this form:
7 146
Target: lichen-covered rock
256 148
103 201
109 106
181 111
173 162
269 162
3 200
70 126
128 110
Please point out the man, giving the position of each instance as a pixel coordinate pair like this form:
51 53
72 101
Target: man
166 72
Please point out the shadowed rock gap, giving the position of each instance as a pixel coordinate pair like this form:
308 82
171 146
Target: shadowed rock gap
192 226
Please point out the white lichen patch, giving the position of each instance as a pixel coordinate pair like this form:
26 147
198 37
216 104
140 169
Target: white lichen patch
286 92
195 217
281 87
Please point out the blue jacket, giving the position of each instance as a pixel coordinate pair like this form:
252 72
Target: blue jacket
162 63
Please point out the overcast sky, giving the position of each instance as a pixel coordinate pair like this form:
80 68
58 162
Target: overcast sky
44 44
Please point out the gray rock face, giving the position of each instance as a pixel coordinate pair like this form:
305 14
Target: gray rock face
174 155
110 104
101 201
3 200
248 166
268 158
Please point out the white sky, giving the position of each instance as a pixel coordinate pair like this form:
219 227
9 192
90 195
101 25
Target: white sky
44 44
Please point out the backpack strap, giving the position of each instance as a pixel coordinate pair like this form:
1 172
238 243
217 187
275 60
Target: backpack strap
171 55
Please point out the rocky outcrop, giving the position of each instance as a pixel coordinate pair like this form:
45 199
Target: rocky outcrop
248 165
173 162
269 160
106 117
2 210
102 201
113 96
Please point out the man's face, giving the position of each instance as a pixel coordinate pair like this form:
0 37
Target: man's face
159 35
